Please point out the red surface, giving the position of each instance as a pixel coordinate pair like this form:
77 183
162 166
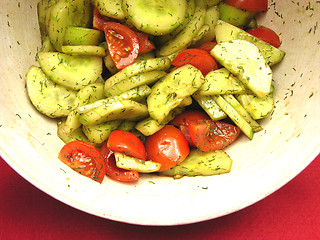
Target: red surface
293 212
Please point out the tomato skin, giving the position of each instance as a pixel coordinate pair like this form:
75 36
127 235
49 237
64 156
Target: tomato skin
83 158
99 20
267 35
145 45
196 57
249 5
207 46
189 115
123 44
127 143
210 136
113 171
168 146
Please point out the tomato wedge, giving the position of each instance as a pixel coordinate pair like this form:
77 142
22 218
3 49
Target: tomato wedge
198 58
127 143
249 5
145 45
83 158
210 136
168 146
99 20
207 46
123 44
267 35
113 171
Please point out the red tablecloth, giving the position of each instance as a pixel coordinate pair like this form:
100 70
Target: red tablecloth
293 212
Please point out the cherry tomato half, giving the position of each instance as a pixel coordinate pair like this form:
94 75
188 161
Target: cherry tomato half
145 45
123 44
198 58
267 35
127 143
249 5
209 136
83 158
207 46
168 146
99 20
113 171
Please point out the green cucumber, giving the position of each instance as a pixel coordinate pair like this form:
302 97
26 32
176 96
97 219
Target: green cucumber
110 8
226 32
75 36
84 50
74 72
46 45
127 125
185 37
211 3
47 97
135 81
199 163
221 81
244 60
130 163
156 17
65 13
170 91
235 16
258 108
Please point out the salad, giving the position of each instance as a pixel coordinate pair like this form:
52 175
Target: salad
147 86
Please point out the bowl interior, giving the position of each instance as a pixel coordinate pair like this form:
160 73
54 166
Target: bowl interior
289 142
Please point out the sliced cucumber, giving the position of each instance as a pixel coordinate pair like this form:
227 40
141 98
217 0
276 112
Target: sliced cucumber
48 97
46 45
127 125
235 16
226 32
211 3
210 107
75 36
244 60
156 17
258 108
129 163
74 72
162 63
199 163
100 132
41 10
84 50
221 81
67 13
202 31
245 127
170 91
135 81
185 37
110 8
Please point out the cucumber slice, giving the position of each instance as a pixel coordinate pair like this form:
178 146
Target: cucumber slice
67 13
135 81
235 16
170 91
75 36
41 10
47 97
74 72
244 60
110 8
199 163
221 81
211 3
84 50
156 17
226 32
46 45
127 125
129 163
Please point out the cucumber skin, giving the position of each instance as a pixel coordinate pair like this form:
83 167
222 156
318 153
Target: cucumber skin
235 16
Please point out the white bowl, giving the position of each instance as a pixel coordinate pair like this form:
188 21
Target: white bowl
289 142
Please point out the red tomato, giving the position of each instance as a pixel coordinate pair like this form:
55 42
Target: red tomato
145 45
127 143
189 115
185 131
196 57
249 5
123 44
207 46
209 136
84 159
113 171
168 146
99 20
267 35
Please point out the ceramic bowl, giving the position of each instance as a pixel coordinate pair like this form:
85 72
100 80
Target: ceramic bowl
289 142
